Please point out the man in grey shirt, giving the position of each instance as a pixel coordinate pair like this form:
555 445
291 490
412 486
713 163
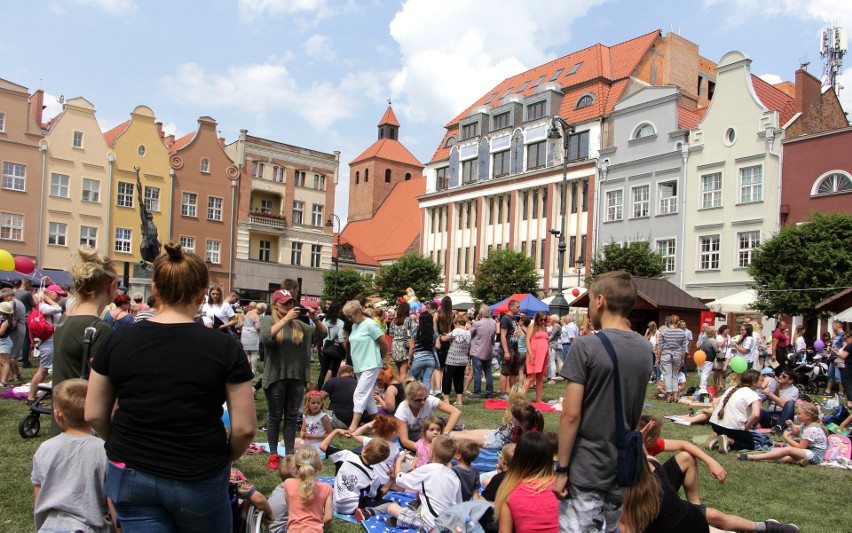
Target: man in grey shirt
481 353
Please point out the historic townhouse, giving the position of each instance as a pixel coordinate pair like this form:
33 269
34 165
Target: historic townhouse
494 180
286 197
22 155
78 189
204 214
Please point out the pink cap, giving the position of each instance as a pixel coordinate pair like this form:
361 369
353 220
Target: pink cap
57 289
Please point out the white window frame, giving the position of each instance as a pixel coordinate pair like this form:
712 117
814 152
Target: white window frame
298 208
215 207
124 199
123 241
754 188
745 255
189 204
296 253
187 243
834 187
205 165
2 122
264 250
152 198
642 202
59 185
89 236
77 139
94 193
615 205
667 204
57 234
11 226
643 127
213 252
316 255
316 215
709 252
711 198
669 254
13 180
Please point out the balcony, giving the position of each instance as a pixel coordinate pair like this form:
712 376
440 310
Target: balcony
270 186
267 219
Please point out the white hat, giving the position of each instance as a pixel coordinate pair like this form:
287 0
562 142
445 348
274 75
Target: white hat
7 308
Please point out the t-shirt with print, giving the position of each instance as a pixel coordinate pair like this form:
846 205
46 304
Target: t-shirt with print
595 454
384 469
737 409
314 428
786 395
510 326
415 423
353 477
459 354
442 489
816 436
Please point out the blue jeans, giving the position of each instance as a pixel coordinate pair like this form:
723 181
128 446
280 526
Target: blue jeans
422 368
151 504
833 373
565 348
785 414
477 376
283 399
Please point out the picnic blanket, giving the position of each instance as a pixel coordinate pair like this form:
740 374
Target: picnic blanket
500 405
16 393
280 451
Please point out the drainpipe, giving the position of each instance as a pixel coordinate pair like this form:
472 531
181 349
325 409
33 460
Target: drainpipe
770 137
231 233
684 152
41 203
603 169
111 161
172 198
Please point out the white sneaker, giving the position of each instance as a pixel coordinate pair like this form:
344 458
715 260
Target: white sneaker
724 444
712 442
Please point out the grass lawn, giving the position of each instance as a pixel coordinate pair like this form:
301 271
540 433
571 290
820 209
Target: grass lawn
811 497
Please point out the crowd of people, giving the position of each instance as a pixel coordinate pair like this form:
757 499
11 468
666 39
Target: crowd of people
157 377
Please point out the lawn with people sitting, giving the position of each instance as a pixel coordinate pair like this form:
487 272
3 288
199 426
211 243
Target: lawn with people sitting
810 497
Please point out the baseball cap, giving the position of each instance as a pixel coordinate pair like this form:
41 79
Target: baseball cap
57 289
766 371
281 296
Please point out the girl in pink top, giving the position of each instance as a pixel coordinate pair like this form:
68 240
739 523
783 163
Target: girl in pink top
308 500
432 427
525 501
538 349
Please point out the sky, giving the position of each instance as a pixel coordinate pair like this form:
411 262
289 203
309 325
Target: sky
320 73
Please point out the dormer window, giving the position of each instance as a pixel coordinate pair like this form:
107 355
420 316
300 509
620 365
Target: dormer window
470 131
644 130
500 121
450 142
585 101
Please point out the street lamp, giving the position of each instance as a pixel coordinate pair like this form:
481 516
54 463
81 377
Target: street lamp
559 305
579 265
330 224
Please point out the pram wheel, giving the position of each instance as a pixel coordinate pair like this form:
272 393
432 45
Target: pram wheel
29 426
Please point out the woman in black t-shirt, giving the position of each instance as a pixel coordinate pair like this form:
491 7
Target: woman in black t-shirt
169 452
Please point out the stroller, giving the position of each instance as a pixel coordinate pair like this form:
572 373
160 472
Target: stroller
811 372
43 405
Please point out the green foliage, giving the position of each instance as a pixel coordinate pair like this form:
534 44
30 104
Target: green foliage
349 284
816 255
411 270
637 258
502 274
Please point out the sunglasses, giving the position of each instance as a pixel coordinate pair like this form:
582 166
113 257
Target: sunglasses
418 400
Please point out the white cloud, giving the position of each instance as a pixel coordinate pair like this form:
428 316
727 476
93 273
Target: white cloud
52 107
253 9
742 11
771 79
319 48
110 6
471 50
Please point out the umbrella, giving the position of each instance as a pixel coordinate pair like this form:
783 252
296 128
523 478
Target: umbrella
462 301
741 302
529 305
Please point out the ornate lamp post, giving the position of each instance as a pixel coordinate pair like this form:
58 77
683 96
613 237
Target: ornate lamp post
330 224
559 305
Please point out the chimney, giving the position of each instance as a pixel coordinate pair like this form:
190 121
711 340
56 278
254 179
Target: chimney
37 107
160 129
169 140
808 90
222 142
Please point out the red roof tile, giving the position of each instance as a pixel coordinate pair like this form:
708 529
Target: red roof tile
774 98
389 118
180 143
396 225
113 134
361 257
686 119
390 150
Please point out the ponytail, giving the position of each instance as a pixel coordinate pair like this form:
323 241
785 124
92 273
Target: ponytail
725 401
308 464
642 502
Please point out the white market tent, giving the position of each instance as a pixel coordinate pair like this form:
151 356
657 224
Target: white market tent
741 302
844 316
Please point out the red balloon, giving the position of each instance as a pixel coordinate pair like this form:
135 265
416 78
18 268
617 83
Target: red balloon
24 265
575 291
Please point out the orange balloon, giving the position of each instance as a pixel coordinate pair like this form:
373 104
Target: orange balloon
699 357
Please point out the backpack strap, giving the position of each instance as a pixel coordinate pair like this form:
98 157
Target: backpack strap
620 421
426 498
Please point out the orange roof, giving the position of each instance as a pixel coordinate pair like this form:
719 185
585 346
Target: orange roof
180 143
361 257
395 226
774 98
113 134
388 149
788 87
388 118
686 119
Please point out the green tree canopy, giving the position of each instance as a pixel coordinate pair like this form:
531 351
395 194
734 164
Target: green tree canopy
502 274
411 270
637 258
349 284
803 265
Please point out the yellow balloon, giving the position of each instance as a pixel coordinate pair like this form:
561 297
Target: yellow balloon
7 262
699 357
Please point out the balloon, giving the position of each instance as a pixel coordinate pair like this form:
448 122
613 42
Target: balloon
7 262
422 308
24 265
819 345
575 291
699 357
739 364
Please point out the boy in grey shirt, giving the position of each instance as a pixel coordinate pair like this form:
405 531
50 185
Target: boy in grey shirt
69 470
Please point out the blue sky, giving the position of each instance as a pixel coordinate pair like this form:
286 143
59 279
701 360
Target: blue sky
319 73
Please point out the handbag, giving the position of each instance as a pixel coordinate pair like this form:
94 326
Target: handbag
332 348
631 449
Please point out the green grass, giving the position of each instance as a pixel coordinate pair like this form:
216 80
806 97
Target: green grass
811 497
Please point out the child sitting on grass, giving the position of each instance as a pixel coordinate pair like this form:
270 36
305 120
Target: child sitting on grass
69 470
357 482
246 493
466 453
316 424
383 427
277 501
525 500
432 427
810 448
492 484
495 439
308 500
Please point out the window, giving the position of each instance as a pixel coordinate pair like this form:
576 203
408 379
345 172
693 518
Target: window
536 111
214 252
2 122
460 210
152 198
458 261
470 131
490 98
490 210
141 150
316 215
578 146
572 248
57 234
541 259
188 204
533 250
442 181
77 141
264 250
538 81
834 183
641 201
506 92
585 101
366 175
584 200
711 190
296 253
319 182
500 209
91 190
534 204
59 185
709 252
468 215
125 194
407 176
14 176
469 171
214 208
266 206
299 178
645 130
525 199
316 255
573 196
614 205
11 227
278 174
666 248
187 244
524 86
298 209
451 141
122 240
730 136
256 169
501 163
536 155
668 197
357 177
498 122
524 248
747 243
751 184
387 175
89 236
205 165
556 74
574 69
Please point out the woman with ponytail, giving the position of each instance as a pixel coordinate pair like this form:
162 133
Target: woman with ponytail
167 378
308 500
735 415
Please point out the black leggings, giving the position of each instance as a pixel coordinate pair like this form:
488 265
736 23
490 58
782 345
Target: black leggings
740 438
453 377
328 363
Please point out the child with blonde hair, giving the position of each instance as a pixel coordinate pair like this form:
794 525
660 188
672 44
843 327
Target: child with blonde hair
316 425
277 500
308 500
495 439
810 448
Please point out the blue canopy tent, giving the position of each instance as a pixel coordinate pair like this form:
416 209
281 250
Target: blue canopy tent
58 277
530 305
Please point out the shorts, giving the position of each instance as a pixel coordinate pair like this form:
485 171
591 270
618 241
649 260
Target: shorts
6 345
719 364
814 455
590 510
511 367
673 473
410 518
45 355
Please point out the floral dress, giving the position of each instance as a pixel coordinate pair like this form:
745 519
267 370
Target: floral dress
399 339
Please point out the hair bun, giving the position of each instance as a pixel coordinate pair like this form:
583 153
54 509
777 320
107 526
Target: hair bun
174 250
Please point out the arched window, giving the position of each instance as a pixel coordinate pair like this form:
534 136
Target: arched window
451 140
205 165
644 130
357 177
366 175
387 175
585 101
833 182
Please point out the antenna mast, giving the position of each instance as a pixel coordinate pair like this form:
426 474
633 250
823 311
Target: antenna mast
832 47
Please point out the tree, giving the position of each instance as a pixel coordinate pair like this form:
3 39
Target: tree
502 274
803 265
411 270
349 284
637 258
